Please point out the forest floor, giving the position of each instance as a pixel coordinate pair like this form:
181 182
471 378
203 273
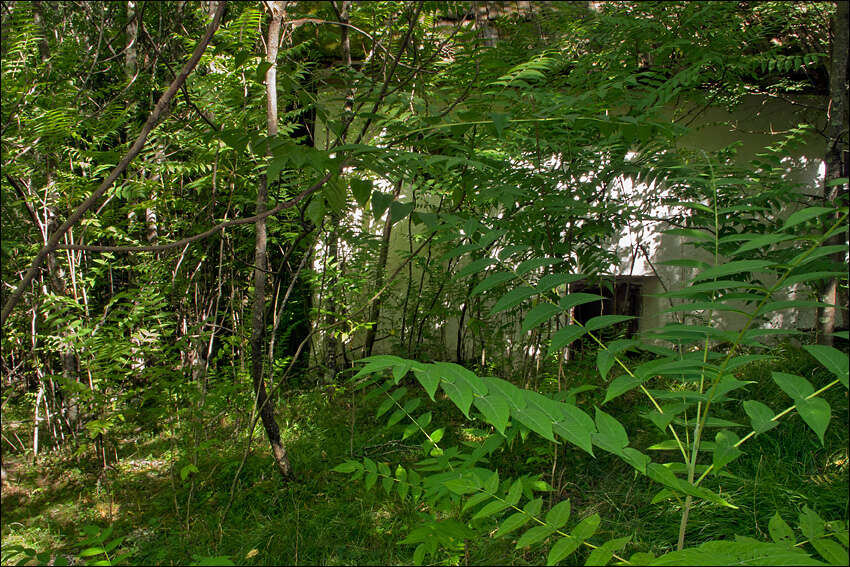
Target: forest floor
170 513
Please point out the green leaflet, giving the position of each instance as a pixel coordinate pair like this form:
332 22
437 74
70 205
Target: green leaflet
492 281
686 263
576 427
674 332
514 493
396 416
348 467
458 372
713 422
535 420
376 363
603 554
569 301
235 139
513 395
724 450
400 371
534 535
741 360
316 211
834 553
808 276
833 359
539 313
554 280
490 509
516 521
741 551
460 483
726 384
513 298
535 263
762 240
811 524
564 337
500 122
495 409
605 360
491 237
620 386
736 267
611 434
510 250
562 548
803 215
819 253
371 479
334 194
361 189
781 532
702 289
673 445
605 357
788 304
603 321
390 401
512 523
474 267
428 379
276 165
636 459
795 386
665 476
662 420
816 413
380 202
690 233
706 305
558 516
399 211
694 205
586 528
458 392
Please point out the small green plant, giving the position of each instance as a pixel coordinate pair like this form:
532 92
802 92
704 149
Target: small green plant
96 550
29 556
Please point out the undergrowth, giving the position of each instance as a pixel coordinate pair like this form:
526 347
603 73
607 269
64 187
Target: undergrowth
323 518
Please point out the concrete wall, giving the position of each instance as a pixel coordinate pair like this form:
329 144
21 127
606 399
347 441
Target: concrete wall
757 123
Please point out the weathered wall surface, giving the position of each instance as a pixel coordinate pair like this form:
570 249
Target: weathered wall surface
757 123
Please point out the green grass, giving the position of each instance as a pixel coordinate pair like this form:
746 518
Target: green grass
322 517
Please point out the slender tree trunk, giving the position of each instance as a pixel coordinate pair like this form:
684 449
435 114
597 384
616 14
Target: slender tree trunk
258 324
55 273
375 311
331 344
836 164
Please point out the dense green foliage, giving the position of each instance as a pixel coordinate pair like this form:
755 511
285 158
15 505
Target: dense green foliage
447 184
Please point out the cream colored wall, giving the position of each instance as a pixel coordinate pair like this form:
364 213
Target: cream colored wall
756 124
